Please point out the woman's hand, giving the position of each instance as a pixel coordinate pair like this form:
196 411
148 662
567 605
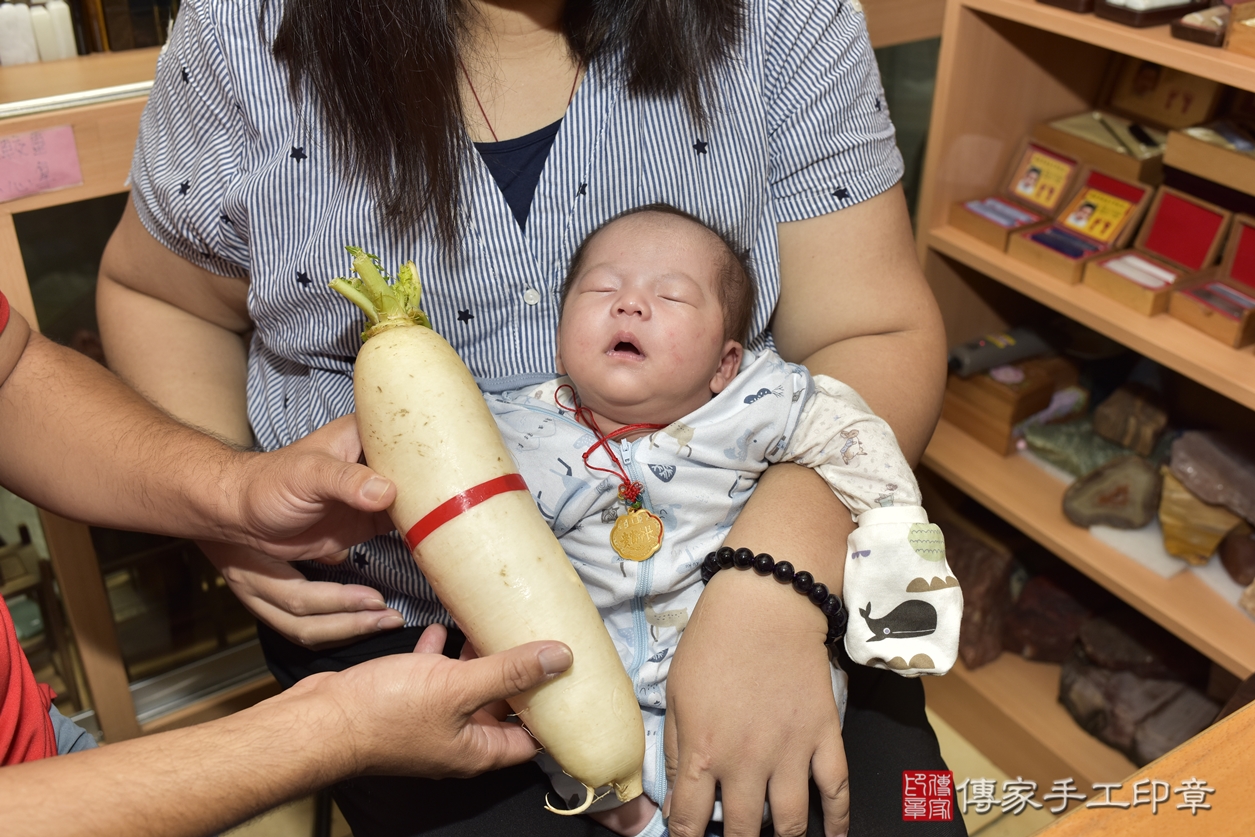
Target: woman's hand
749 693
309 613
781 728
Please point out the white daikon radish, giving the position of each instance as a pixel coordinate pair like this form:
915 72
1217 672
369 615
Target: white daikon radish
477 535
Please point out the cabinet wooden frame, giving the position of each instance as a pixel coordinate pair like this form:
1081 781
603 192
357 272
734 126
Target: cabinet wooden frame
1004 67
105 138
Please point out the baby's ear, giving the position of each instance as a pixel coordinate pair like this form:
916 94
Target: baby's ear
729 366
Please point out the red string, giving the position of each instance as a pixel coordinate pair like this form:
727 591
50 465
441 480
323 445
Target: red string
629 490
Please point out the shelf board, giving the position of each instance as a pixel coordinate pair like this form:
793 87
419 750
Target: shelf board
1154 43
1009 710
1228 371
1031 500
77 75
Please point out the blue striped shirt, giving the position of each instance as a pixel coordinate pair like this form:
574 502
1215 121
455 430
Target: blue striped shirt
233 176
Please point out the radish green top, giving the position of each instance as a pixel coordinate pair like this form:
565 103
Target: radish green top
385 305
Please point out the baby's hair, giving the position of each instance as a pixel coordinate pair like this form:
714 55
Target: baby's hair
735 286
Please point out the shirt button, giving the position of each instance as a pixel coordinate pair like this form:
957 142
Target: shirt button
531 296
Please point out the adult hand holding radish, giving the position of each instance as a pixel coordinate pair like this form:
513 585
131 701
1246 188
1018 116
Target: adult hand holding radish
416 714
477 535
310 499
132 466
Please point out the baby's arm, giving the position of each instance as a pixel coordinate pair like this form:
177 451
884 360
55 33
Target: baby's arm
905 603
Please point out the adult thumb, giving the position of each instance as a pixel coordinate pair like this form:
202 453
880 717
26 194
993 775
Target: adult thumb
355 485
509 673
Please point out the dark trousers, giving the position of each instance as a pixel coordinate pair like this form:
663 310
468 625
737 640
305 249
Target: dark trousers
886 732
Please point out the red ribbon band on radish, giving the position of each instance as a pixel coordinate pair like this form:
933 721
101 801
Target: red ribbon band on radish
468 499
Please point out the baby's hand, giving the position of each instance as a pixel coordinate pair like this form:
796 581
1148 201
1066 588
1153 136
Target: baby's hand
629 818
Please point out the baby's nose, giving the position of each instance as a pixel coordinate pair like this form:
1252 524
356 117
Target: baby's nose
631 304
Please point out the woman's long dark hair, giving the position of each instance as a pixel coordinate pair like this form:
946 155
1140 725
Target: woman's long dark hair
385 74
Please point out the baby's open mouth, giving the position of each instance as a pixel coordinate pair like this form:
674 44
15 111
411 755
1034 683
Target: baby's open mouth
625 347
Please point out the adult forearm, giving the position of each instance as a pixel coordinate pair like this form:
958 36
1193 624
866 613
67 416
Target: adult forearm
854 305
198 780
793 516
79 442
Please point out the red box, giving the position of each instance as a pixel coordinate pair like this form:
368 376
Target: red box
1181 237
1222 303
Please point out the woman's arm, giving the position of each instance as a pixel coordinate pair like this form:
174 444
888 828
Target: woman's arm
855 305
749 699
175 332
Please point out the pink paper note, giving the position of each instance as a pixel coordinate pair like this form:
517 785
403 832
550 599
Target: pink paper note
38 161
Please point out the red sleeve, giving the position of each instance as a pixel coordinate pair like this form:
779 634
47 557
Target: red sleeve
26 732
4 312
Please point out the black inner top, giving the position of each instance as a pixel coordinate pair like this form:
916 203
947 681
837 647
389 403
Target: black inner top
516 165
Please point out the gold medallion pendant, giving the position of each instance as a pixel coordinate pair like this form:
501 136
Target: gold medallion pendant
636 535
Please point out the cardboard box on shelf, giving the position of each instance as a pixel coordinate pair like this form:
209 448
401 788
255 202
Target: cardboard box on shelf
1099 218
1037 182
1222 302
1205 26
1126 133
1121 13
1179 239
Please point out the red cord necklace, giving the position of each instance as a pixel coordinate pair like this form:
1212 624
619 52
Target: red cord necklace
637 534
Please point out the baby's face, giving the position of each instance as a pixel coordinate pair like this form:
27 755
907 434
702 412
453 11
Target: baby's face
642 328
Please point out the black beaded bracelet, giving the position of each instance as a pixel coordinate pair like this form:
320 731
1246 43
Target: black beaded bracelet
803 582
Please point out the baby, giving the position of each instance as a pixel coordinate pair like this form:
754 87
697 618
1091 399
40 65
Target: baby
661 427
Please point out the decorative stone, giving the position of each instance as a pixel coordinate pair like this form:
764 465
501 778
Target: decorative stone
1132 417
1122 493
1044 622
1218 468
1192 529
1125 640
1142 717
1237 553
1073 446
983 568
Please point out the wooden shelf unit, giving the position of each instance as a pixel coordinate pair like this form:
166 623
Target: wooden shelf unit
1164 339
77 75
1030 499
1005 66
